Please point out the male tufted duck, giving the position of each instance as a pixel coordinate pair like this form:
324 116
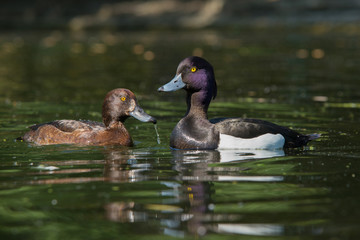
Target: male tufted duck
119 104
195 131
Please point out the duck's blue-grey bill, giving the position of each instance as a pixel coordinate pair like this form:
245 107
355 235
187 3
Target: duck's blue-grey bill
141 115
175 84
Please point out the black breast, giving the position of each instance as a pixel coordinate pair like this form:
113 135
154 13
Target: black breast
194 133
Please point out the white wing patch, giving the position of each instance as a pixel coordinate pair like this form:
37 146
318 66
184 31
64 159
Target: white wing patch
266 141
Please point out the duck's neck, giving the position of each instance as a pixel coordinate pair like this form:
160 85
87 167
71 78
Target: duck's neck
117 125
198 103
119 134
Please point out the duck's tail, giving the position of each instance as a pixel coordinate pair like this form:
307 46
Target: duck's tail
313 136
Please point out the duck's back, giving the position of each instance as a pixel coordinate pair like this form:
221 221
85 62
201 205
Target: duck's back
252 128
71 125
82 132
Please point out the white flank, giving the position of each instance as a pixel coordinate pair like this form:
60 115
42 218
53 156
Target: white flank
266 141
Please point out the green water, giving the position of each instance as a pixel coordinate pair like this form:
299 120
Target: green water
305 78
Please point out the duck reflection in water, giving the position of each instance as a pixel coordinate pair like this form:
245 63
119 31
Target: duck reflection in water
121 165
190 208
185 202
198 180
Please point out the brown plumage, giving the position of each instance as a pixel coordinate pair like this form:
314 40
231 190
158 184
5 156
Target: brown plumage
119 104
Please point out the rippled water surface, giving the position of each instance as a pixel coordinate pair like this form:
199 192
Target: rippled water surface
305 78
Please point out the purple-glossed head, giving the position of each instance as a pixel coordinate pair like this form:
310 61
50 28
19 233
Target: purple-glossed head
194 74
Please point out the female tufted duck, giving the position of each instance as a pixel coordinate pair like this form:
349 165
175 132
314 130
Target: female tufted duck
195 131
119 104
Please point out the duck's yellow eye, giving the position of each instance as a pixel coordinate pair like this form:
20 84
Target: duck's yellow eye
193 69
123 99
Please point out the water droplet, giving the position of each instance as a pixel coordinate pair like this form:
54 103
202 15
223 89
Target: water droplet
157 134
201 230
211 206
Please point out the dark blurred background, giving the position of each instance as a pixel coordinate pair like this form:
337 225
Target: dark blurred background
90 14
261 49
